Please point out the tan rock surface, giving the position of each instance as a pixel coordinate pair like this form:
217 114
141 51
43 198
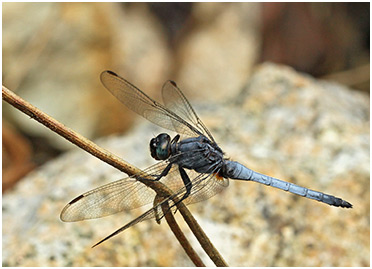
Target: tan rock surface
284 124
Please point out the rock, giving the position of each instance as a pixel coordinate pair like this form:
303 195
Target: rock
216 56
284 124
55 52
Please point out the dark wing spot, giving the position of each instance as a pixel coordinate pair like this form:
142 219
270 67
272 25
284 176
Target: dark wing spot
173 83
112 73
76 199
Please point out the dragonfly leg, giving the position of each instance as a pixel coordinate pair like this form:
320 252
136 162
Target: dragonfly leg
186 181
163 173
175 139
188 185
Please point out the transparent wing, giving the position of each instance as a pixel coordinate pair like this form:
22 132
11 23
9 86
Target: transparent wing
204 186
129 193
175 101
143 105
114 197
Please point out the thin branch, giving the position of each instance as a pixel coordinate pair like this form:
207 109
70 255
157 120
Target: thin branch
180 236
203 239
120 164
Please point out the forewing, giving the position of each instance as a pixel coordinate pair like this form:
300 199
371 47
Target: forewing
204 186
175 101
114 197
142 104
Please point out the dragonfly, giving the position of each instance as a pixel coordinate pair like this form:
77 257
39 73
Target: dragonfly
193 167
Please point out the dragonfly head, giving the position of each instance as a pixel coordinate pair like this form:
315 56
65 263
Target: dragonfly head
160 147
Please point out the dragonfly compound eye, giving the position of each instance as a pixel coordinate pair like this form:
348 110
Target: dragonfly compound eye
160 147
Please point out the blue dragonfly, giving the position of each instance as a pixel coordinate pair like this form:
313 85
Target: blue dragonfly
194 167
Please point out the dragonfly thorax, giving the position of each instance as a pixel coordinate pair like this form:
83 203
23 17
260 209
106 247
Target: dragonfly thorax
160 147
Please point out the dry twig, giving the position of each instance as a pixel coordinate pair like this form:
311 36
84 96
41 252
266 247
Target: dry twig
115 161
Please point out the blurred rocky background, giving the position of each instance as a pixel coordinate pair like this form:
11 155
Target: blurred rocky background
310 128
